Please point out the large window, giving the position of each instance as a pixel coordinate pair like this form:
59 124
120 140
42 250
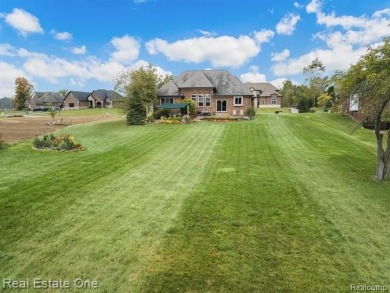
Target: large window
200 101
238 101
71 105
221 106
273 101
208 100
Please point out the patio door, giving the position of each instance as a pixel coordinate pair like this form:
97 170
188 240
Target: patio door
221 106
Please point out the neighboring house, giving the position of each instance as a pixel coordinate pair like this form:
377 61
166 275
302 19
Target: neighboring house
266 95
104 99
44 100
76 100
215 92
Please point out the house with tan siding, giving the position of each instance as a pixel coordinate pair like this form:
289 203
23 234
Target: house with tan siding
265 95
215 92
104 99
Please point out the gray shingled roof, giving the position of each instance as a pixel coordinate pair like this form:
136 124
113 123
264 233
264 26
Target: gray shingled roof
222 81
104 94
226 83
81 96
51 97
193 79
266 88
169 89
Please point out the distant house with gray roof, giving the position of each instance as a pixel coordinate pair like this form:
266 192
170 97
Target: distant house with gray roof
265 95
44 100
104 99
216 92
100 98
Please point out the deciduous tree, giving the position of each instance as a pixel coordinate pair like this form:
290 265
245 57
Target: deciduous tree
23 90
369 79
317 83
139 87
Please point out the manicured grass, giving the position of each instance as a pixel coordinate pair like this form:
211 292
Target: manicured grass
283 203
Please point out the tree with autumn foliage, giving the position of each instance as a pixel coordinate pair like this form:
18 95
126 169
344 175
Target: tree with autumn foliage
23 91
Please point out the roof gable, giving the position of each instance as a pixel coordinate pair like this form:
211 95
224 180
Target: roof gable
81 96
51 97
193 79
221 81
226 83
169 89
107 94
267 89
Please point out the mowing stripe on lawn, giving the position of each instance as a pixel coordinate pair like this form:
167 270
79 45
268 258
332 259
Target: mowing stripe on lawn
258 224
341 185
110 229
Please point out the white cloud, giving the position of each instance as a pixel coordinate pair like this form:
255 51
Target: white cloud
278 83
298 5
74 72
126 49
280 56
62 36
286 25
79 50
346 55
207 33
346 39
314 6
23 22
357 31
263 36
6 50
220 51
253 75
8 74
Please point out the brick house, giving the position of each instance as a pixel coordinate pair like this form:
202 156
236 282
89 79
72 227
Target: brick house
96 99
104 99
76 100
265 95
215 92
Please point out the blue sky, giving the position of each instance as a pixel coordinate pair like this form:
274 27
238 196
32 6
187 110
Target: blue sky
82 45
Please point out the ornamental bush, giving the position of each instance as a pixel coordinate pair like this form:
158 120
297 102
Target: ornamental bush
250 112
62 142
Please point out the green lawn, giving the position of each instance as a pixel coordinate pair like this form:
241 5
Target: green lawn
284 203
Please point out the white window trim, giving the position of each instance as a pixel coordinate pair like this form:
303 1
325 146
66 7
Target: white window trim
242 101
274 101
201 99
207 97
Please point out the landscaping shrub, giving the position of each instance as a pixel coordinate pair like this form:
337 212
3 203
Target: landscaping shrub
192 107
250 112
63 142
170 120
161 112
